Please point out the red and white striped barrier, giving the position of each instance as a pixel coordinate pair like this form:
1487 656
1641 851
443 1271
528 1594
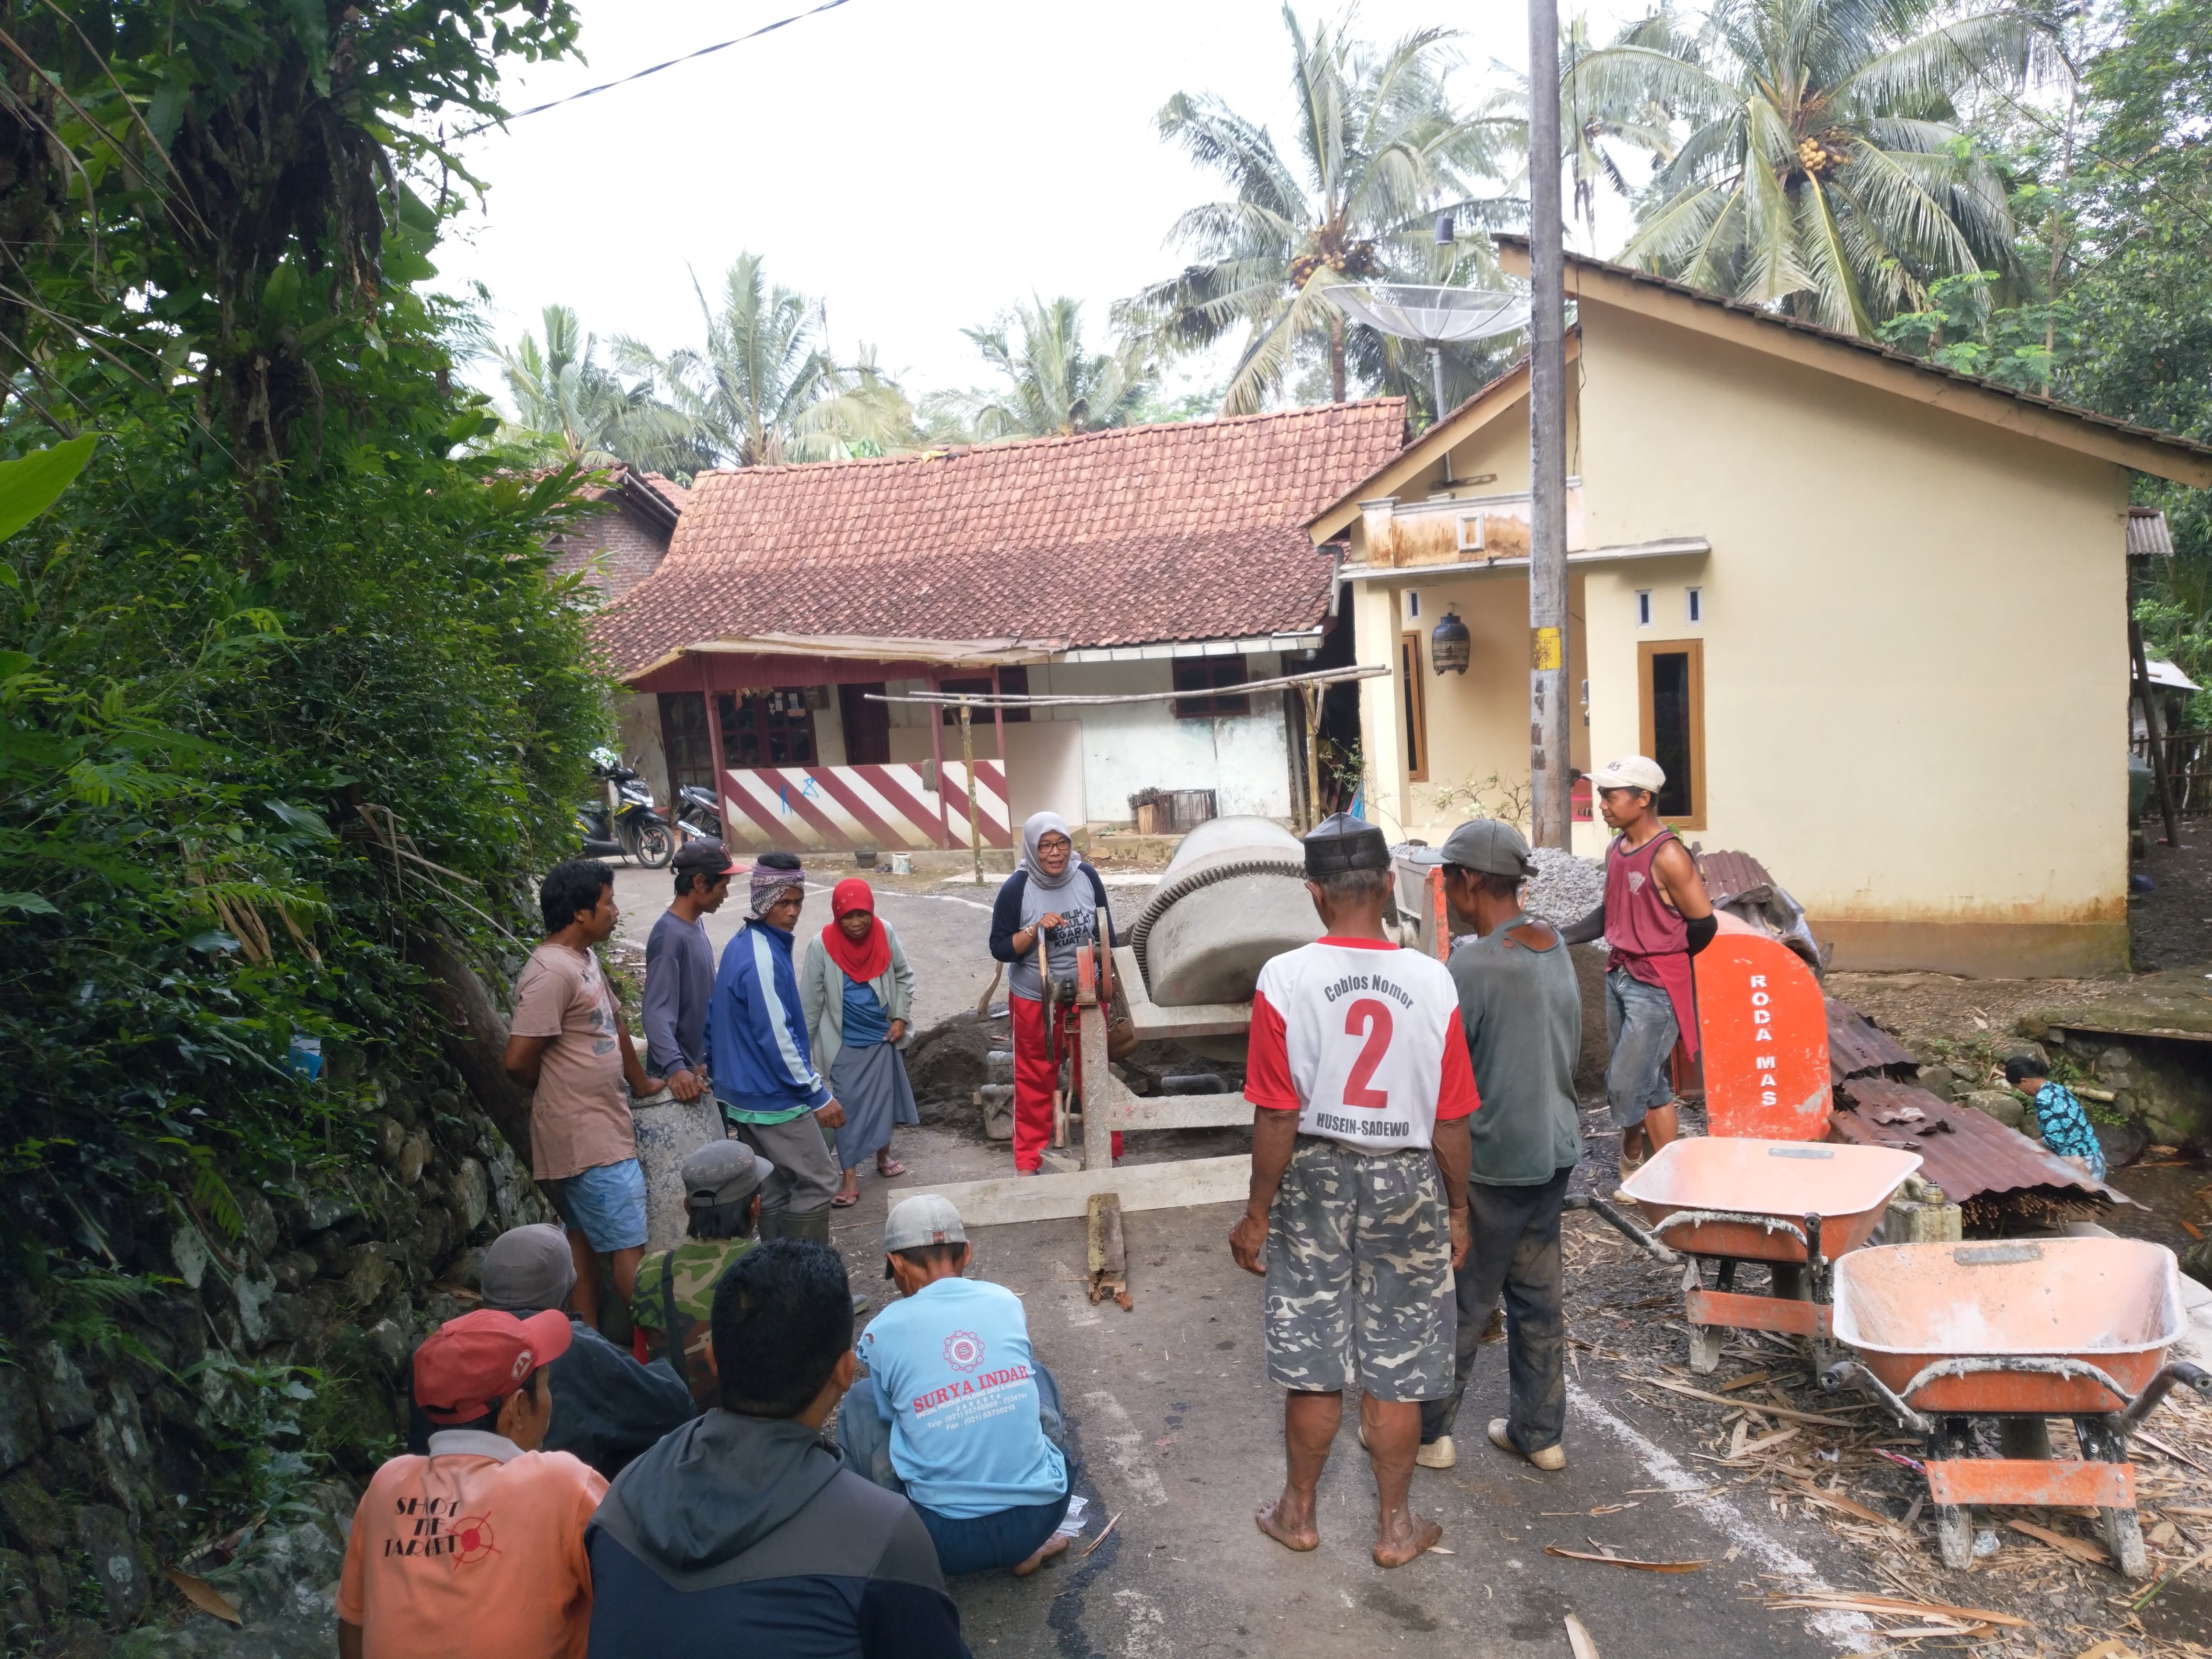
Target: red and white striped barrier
841 807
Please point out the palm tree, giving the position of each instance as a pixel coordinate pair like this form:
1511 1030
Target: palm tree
1808 153
1052 384
568 407
1380 151
765 389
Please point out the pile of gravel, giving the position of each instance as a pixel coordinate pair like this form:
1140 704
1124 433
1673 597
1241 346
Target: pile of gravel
1564 888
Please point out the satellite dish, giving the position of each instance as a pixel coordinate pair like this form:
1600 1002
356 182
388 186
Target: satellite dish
1434 316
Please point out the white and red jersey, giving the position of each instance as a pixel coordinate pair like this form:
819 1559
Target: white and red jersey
1363 1041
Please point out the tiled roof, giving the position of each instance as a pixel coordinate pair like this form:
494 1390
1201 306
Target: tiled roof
1141 535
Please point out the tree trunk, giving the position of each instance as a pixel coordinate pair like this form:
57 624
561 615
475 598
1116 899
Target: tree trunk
474 1039
1336 359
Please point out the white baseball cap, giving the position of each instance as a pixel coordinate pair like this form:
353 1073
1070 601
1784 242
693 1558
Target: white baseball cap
1630 772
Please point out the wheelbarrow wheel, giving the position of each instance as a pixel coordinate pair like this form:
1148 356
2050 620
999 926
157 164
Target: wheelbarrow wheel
2124 1537
1955 1535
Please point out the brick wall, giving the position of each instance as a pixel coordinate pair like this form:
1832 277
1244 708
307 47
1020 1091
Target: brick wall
616 548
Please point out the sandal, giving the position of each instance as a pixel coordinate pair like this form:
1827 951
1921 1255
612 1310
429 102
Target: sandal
844 1200
891 1171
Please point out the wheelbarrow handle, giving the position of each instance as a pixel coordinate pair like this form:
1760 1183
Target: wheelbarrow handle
1848 1370
1628 1230
2159 1387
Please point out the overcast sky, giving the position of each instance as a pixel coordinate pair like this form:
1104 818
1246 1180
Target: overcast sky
918 166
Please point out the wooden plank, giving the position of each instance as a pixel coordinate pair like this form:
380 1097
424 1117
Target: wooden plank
2032 1480
1758 1313
1128 1111
1167 1185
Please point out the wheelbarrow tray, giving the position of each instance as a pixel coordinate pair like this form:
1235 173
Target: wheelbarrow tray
1997 1310
1772 1186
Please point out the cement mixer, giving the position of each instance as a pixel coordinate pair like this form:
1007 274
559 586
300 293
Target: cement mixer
1233 896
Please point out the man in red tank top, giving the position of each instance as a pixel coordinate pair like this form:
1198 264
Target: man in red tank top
1656 916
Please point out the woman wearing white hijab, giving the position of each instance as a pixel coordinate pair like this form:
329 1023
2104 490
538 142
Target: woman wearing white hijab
1047 909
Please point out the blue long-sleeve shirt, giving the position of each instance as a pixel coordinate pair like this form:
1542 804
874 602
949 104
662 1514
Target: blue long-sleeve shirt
757 1044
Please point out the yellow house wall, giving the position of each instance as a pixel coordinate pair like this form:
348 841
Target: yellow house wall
1915 661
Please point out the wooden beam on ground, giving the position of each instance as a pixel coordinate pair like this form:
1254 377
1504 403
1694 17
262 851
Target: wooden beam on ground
1174 1185
1130 1111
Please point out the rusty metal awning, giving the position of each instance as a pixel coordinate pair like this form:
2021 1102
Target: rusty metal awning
1972 1156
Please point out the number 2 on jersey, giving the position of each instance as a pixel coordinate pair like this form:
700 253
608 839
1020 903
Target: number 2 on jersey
1371 1018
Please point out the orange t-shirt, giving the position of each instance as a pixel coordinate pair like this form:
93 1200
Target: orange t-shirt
478 1548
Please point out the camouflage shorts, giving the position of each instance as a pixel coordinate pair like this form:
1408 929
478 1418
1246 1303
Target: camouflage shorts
1359 1278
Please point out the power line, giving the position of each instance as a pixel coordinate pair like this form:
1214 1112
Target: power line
703 51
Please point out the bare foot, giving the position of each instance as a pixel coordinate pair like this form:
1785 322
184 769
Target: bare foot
1417 1537
1055 1545
1301 1537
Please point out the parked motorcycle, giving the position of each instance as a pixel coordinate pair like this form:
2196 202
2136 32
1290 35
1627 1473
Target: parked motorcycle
698 814
623 823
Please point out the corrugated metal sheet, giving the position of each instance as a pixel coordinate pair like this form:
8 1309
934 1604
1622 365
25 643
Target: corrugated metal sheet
2146 532
1731 875
1974 1157
1857 1047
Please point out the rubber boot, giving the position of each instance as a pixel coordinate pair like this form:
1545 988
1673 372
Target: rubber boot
813 1225
774 1224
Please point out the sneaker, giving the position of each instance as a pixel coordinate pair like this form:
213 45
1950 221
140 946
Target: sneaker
1437 1453
1551 1460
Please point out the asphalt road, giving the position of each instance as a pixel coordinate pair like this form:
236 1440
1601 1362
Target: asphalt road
1179 1434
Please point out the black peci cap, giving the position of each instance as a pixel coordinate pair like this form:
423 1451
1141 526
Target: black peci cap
1341 843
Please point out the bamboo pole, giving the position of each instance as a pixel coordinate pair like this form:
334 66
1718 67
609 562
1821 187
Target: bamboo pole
968 766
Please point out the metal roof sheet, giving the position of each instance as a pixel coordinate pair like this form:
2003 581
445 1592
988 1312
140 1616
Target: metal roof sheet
1731 875
2147 532
1857 1046
1976 1156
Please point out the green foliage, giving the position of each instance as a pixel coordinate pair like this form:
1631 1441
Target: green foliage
1812 154
1960 329
284 681
766 389
264 1462
570 408
1050 383
1379 150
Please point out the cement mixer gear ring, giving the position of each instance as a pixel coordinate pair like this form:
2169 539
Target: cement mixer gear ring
1164 900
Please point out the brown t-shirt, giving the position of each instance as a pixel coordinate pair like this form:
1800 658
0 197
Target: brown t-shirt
580 1118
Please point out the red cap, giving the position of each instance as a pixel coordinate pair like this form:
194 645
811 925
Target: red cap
467 1363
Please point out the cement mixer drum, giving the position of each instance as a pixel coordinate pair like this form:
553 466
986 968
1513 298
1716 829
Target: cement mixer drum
1234 895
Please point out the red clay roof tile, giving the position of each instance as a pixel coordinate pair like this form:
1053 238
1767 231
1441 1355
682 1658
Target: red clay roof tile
1135 536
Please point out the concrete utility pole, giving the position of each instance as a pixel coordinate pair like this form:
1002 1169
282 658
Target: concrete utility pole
1550 709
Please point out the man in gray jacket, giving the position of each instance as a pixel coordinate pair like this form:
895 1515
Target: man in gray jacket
679 969
1522 1011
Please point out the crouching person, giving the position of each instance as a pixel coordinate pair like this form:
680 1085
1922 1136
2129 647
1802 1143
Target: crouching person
478 1546
955 1411
743 1533
673 1310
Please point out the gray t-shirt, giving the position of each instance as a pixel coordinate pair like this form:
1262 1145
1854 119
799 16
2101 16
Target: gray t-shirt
1081 923
1523 1014
679 979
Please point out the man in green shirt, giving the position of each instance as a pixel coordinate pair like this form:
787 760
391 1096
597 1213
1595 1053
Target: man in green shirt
673 1306
1522 1011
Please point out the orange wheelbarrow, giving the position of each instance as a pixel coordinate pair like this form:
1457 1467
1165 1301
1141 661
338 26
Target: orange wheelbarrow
1793 1206
2018 1332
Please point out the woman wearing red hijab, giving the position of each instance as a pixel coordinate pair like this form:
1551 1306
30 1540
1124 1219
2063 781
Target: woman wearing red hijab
856 992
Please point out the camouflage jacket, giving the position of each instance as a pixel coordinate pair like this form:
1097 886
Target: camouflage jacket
682 1281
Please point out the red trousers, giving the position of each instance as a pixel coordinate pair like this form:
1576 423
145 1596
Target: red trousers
1035 1074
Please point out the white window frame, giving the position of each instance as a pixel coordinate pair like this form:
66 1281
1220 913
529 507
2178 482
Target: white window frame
1694 605
1643 607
